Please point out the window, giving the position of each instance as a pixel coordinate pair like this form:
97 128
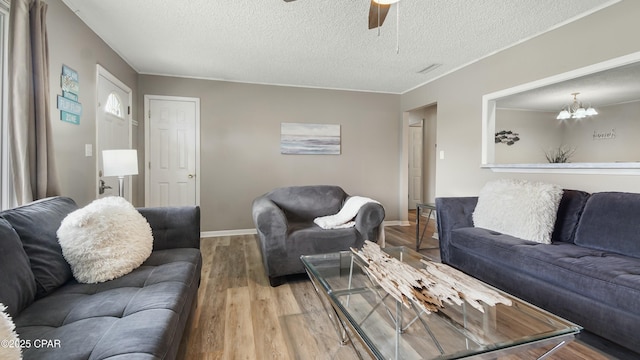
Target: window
114 105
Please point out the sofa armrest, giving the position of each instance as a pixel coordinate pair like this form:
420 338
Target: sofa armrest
271 225
268 217
452 213
174 227
368 221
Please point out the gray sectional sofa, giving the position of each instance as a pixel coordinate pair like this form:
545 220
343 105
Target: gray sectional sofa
141 315
589 274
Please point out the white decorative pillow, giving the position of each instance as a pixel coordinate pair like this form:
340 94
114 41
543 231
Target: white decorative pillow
519 208
105 240
9 341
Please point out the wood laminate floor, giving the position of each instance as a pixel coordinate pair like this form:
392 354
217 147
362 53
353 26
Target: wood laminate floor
239 316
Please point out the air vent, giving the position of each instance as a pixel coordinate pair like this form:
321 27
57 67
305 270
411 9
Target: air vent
429 68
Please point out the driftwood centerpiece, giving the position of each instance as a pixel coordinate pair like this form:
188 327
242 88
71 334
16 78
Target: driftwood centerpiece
428 288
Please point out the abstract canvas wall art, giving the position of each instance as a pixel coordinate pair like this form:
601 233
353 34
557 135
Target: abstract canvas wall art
315 139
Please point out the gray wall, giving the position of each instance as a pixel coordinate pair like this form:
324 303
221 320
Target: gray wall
428 116
606 34
72 43
622 119
240 122
240 137
430 152
539 132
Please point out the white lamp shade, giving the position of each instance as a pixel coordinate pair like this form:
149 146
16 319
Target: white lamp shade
580 113
563 115
385 2
591 111
119 162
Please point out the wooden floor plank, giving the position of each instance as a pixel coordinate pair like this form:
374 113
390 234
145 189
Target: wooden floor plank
271 343
239 339
240 316
211 322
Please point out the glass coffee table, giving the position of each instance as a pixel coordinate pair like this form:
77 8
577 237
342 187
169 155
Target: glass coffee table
387 329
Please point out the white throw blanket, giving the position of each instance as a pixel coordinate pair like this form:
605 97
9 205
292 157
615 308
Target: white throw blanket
345 218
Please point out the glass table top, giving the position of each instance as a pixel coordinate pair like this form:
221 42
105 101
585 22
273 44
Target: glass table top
391 330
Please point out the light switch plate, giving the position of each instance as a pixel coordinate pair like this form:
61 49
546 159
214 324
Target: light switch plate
88 150
441 154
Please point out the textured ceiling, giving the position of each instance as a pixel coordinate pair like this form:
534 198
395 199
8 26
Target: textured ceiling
318 43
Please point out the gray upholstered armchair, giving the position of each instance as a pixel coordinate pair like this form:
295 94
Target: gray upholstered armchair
284 220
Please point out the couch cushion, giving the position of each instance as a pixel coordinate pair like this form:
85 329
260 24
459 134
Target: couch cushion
569 212
17 283
604 276
305 238
36 224
611 222
135 315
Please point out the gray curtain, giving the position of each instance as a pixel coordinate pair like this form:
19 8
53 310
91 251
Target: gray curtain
32 160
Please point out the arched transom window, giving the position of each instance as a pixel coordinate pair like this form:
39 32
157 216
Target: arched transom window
114 105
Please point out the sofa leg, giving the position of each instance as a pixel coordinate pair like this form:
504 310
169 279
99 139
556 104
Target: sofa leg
275 281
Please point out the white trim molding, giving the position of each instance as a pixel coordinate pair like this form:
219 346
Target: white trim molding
237 232
487 160
240 232
101 71
622 168
396 223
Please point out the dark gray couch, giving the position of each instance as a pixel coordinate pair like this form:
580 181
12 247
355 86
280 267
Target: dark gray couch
590 274
141 315
284 221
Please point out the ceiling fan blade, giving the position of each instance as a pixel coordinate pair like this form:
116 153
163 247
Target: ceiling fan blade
374 20
289 0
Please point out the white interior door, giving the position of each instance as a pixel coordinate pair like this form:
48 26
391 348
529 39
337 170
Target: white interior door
415 166
113 127
172 150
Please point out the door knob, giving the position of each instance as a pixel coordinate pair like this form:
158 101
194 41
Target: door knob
102 187
191 176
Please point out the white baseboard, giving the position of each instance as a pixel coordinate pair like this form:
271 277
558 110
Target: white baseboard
218 233
209 234
396 223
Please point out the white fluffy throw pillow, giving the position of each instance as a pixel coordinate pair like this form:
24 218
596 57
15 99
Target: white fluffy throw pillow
9 341
104 240
519 208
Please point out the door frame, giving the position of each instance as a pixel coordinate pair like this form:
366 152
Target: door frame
101 71
404 162
420 124
147 142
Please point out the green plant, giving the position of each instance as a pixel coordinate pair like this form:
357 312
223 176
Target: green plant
561 154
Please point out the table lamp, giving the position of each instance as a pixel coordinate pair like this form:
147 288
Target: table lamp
120 163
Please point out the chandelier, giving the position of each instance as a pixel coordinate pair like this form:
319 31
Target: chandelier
576 110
